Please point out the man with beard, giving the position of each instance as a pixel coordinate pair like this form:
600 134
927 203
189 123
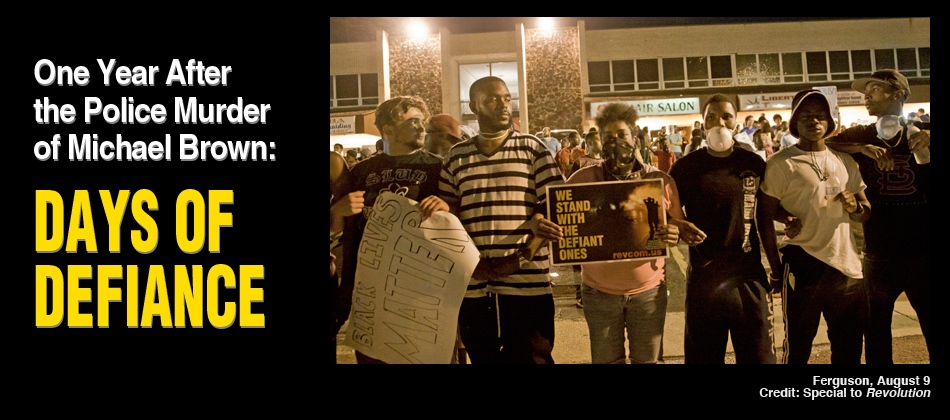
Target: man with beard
897 234
496 183
627 296
407 170
727 290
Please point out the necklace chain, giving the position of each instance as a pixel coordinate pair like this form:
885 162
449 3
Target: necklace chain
822 176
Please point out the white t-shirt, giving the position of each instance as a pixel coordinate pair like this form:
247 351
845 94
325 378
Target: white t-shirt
791 177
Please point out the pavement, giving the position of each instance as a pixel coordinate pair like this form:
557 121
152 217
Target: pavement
572 337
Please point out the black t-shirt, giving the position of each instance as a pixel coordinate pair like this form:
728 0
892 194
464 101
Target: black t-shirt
718 196
414 176
900 207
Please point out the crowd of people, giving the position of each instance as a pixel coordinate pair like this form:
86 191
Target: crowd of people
721 196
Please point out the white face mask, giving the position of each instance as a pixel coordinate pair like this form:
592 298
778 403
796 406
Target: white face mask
719 139
888 126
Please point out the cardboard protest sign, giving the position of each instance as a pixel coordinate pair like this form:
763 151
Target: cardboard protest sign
410 281
607 221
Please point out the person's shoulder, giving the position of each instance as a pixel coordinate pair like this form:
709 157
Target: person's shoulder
688 161
846 158
783 154
428 157
651 172
859 134
593 173
461 148
749 158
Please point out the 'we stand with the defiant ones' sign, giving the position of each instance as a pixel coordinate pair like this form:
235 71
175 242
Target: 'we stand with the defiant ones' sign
607 221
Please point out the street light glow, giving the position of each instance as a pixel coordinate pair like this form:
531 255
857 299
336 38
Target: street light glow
418 29
545 23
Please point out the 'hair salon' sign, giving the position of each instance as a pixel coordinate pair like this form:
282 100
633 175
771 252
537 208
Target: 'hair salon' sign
669 106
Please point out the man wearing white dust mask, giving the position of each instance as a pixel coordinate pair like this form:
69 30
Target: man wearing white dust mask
897 235
727 288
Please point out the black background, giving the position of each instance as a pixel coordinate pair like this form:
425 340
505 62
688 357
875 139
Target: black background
272 212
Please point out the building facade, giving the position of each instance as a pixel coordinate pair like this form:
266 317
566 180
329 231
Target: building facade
559 77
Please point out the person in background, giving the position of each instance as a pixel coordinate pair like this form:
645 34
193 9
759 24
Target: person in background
675 140
695 142
748 126
442 133
550 142
761 149
664 156
628 298
820 265
352 157
338 148
365 153
569 153
788 140
776 127
592 158
379 147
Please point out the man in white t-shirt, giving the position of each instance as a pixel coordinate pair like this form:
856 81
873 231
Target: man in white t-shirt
822 267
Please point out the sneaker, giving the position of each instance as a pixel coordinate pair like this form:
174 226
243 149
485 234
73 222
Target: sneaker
580 303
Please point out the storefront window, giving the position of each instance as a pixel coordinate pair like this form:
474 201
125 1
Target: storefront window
817 66
792 69
721 70
674 73
747 72
353 90
907 61
648 74
624 76
770 71
884 59
697 69
861 63
840 65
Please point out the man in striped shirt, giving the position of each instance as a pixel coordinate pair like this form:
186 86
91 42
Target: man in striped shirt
496 183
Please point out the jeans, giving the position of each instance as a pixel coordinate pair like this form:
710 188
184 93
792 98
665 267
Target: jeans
641 316
887 278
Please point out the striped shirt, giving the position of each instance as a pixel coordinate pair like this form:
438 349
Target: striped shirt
495 196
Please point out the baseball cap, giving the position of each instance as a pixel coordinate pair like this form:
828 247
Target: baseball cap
445 123
888 77
809 95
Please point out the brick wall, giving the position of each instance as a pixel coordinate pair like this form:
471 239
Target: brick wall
415 68
553 79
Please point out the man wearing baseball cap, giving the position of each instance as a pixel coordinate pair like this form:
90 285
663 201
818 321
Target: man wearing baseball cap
820 267
897 235
442 133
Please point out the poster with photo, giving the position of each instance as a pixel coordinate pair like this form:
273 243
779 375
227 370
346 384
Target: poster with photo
607 221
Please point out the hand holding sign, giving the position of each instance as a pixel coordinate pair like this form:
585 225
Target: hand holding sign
544 228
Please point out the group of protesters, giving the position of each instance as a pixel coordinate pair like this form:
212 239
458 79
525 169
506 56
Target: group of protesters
720 200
